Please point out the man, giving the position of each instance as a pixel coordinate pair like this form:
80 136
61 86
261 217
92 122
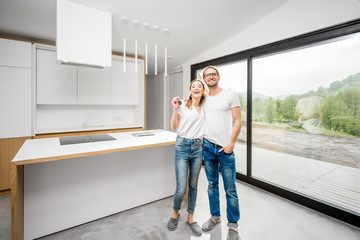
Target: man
222 127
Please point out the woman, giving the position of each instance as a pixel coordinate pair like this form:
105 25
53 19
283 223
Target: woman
188 120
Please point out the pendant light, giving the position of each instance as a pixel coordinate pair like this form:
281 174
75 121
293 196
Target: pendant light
146 58
136 61
124 55
155 59
165 61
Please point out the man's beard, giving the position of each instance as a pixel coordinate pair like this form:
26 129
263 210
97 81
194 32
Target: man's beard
213 85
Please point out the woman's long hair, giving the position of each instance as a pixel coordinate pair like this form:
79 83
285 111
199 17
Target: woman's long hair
189 100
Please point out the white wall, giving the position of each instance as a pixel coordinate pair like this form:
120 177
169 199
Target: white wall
291 19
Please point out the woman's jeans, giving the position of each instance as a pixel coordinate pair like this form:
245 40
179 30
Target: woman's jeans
188 155
212 160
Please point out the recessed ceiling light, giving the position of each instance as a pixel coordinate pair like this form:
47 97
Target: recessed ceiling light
166 31
137 23
124 20
146 25
156 28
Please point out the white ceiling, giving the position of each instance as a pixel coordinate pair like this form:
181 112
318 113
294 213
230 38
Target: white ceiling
195 26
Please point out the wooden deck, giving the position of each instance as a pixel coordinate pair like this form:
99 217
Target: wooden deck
334 184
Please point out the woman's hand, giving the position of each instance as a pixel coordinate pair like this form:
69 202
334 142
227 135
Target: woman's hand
175 103
175 118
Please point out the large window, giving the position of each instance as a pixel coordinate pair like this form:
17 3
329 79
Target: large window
301 129
306 121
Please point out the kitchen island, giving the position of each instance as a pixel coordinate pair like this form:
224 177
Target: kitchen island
58 186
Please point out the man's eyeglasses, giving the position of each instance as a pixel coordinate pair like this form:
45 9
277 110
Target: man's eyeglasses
210 75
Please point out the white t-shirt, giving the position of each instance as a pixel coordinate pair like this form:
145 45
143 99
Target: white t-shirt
191 122
218 116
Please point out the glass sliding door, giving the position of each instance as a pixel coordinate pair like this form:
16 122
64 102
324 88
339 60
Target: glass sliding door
304 130
306 121
233 76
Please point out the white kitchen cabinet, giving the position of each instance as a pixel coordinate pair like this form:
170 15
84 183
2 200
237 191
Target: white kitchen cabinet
56 83
87 98
93 86
15 53
125 85
15 102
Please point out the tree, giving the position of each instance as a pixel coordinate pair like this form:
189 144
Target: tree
288 109
335 113
335 86
243 104
321 90
351 98
270 110
340 112
259 110
279 115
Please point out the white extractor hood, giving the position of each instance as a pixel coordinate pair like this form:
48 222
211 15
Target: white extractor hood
83 35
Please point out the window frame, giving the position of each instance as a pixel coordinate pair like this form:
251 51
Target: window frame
304 40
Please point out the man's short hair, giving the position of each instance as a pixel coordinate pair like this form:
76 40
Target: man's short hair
213 67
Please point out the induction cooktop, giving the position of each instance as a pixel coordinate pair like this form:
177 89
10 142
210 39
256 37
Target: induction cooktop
85 139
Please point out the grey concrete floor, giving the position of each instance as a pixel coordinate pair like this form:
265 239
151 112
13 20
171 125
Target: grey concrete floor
263 216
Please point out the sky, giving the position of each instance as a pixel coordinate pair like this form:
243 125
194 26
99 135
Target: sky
298 71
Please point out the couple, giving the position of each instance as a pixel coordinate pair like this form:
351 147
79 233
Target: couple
214 139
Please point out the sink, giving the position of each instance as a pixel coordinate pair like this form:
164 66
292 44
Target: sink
85 139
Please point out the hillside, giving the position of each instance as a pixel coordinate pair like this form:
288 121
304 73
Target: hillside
351 82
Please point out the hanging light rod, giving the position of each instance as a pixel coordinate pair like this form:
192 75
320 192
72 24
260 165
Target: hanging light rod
155 59
146 58
165 50
124 55
136 60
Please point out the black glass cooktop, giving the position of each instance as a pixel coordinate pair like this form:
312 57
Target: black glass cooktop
85 139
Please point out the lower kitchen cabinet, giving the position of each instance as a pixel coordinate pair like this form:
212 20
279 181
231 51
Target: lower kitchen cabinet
8 149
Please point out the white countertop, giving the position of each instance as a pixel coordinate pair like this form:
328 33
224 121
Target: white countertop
49 149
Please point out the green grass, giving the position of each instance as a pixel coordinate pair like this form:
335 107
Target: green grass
336 133
324 131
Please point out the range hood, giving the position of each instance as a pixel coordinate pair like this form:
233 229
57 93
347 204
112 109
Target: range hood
83 35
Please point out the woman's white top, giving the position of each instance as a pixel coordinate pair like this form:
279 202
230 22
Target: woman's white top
191 123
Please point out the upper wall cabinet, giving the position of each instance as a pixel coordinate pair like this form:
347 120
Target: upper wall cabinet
94 86
56 84
15 53
73 98
83 35
62 84
125 85
15 89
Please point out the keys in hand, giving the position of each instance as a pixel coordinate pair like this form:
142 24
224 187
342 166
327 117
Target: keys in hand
176 102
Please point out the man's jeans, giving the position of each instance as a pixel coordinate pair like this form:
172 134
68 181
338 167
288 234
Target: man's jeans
188 155
212 160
